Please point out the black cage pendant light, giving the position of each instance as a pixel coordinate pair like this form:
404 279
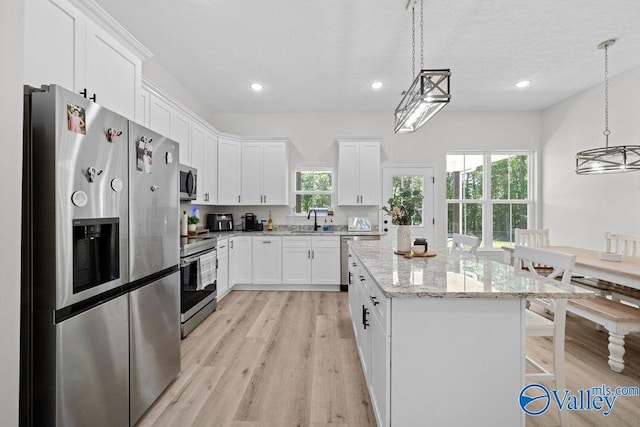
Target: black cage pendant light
616 159
429 92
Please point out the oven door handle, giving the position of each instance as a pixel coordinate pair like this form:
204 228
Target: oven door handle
190 259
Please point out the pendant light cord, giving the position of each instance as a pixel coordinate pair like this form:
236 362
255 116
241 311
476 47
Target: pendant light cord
421 35
413 38
606 132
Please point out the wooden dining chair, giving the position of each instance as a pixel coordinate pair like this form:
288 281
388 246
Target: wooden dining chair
623 244
627 245
532 237
463 244
562 264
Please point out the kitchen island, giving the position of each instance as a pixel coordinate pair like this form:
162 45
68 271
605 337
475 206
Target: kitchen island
441 339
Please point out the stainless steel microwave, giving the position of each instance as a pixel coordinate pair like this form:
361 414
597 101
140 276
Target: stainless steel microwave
188 183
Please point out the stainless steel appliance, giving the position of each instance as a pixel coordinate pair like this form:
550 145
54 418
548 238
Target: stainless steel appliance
220 222
154 303
188 183
75 262
198 291
344 255
100 234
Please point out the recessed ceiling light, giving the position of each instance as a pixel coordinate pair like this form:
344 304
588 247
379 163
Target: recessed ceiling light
523 83
376 85
256 86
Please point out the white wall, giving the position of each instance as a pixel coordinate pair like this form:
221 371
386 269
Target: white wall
579 209
314 139
11 46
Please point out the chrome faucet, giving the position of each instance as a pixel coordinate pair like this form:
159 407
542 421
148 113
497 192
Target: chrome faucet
315 219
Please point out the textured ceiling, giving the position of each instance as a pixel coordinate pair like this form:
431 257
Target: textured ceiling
321 55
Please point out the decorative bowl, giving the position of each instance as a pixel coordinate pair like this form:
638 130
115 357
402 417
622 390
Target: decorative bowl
417 249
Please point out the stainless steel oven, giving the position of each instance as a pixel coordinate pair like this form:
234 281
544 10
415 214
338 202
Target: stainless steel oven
198 281
188 183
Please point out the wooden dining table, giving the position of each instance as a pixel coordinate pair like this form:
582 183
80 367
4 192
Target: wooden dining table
588 263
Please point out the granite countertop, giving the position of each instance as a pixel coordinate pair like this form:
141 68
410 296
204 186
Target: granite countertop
453 276
288 232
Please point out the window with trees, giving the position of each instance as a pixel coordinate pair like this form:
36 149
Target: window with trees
313 189
489 195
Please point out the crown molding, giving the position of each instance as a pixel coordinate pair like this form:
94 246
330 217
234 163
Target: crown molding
98 15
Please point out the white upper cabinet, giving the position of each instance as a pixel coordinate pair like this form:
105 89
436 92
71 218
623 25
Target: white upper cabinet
228 171
197 160
181 133
160 117
64 47
358 172
265 168
204 155
209 182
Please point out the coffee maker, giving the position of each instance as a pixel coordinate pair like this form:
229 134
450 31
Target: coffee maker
249 222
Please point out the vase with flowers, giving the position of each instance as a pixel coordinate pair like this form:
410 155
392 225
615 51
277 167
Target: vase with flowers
404 210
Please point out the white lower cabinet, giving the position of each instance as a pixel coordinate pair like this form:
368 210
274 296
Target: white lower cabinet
223 268
267 261
311 260
240 261
369 314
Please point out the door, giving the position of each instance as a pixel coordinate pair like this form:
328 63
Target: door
92 350
418 179
369 173
154 243
197 161
228 172
275 170
267 264
326 266
154 341
223 268
240 260
252 173
112 73
348 176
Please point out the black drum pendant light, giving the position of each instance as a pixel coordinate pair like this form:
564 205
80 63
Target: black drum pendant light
616 159
428 93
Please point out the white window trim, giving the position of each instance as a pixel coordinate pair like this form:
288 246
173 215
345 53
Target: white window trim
487 203
293 194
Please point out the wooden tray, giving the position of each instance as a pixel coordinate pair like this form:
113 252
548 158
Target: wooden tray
410 254
198 231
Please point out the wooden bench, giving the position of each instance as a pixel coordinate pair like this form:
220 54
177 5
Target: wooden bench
605 288
619 319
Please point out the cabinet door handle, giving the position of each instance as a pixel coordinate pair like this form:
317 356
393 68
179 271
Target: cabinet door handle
374 300
266 241
265 198
222 247
231 244
362 278
94 98
365 322
83 92
350 276
313 254
238 198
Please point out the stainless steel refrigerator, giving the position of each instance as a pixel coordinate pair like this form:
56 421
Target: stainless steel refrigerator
154 249
90 310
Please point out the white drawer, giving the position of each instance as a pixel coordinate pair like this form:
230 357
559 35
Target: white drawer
296 241
379 303
325 241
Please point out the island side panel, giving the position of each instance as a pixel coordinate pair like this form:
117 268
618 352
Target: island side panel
457 361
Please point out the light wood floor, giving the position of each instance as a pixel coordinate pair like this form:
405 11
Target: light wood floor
289 358
269 359
586 356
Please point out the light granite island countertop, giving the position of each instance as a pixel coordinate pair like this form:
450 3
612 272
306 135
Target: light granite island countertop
442 339
453 276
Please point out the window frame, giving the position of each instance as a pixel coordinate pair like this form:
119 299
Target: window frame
294 192
487 202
